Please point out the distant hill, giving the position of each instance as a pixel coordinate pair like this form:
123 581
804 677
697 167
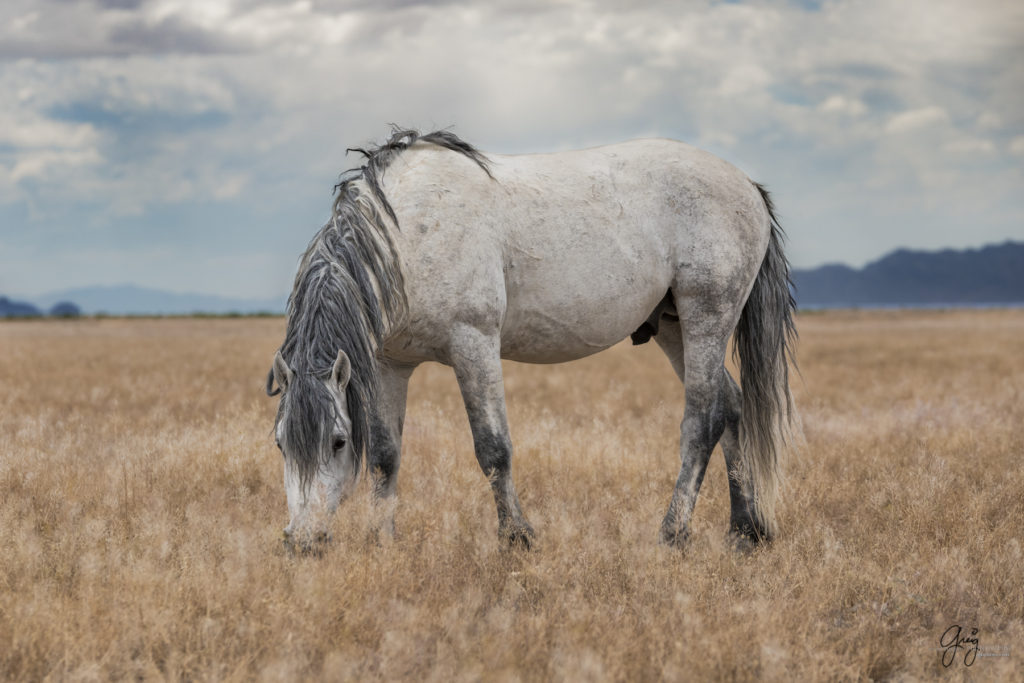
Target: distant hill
990 275
64 309
133 300
17 309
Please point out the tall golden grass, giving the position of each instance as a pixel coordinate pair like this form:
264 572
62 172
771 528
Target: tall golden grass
141 506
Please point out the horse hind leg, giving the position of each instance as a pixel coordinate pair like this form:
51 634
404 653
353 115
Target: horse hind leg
697 354
743 523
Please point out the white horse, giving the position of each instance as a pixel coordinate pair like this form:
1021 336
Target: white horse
436 252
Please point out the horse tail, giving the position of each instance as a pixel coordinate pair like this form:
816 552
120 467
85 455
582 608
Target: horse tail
764 343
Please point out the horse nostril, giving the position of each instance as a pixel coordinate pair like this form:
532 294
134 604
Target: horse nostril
286 534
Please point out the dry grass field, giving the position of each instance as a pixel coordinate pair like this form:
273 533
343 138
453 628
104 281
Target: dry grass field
141 508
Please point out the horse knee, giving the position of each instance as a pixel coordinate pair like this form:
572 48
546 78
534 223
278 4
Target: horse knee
383 459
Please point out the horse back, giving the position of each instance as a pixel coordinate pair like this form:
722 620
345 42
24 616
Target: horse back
566 254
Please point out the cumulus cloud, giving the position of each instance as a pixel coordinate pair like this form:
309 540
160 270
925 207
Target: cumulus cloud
839 104
916 119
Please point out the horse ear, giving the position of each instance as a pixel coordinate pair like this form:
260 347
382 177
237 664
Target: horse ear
342 370
281 373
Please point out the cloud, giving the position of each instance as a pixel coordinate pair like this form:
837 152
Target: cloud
128 113
838 104
916 119
743 79
55 29
167 35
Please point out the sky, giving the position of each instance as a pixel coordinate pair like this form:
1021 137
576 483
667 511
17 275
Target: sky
192 145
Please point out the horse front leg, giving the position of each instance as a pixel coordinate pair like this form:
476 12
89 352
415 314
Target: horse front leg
385 452
476 358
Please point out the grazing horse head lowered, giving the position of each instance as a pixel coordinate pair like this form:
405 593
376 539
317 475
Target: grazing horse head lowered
314 433
348 292
435 252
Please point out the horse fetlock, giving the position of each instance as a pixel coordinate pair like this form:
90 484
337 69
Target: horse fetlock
675 530
512 524
383 533
382 519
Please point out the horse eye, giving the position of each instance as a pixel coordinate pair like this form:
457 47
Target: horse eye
339 443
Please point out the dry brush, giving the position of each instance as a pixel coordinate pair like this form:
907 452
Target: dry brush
141 508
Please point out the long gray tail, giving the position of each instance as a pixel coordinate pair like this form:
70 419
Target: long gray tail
764 343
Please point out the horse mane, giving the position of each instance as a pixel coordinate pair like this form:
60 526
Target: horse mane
348 292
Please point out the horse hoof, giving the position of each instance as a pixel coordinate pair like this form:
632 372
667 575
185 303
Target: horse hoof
747 535
316 548
743 545
676 538
382 536
518 537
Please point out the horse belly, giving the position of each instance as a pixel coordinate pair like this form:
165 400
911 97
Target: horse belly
575 301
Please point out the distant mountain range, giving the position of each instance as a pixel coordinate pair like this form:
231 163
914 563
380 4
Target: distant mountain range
990 275
17 309
993 274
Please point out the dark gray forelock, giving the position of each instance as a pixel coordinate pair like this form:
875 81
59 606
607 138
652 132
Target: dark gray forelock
333 306
309 413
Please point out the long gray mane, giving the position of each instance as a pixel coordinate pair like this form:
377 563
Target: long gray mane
348 293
